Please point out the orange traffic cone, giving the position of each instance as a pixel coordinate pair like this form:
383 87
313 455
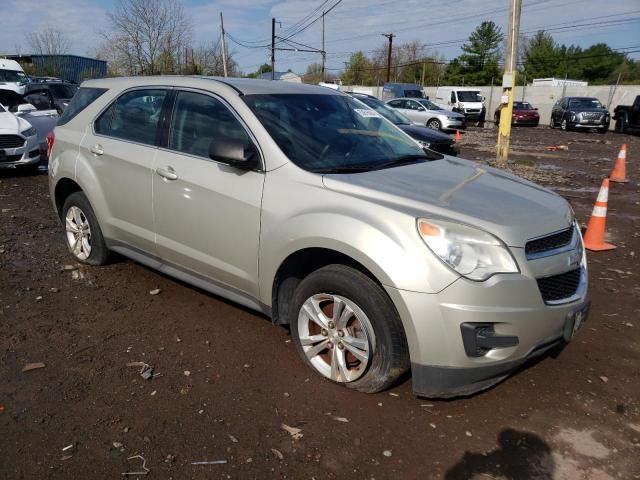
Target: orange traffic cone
594 236
458 137
619 172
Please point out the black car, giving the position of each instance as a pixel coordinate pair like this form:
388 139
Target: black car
55 94
580 113
425 136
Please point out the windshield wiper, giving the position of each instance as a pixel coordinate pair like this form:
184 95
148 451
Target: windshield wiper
396 162
343 169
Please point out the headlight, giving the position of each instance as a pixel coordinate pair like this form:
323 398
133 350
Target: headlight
29 132
423 144
475 254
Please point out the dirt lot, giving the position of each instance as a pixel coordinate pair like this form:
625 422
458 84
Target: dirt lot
229 379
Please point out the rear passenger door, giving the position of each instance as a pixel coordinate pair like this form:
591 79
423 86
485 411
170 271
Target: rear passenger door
207 213
121 148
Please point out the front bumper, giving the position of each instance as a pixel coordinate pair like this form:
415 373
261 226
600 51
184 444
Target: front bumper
511 303
534 121
588 125
28 154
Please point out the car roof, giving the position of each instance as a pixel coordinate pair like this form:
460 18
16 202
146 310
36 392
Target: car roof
243 86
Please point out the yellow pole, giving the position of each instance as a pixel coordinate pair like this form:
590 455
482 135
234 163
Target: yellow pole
508 83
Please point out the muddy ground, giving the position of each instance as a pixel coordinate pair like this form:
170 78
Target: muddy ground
230 380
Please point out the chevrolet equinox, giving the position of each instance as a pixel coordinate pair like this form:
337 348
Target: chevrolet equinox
304 204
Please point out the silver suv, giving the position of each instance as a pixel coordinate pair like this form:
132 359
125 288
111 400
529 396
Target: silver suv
302 203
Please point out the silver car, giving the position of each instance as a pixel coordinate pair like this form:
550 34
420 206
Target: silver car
424 112
299 202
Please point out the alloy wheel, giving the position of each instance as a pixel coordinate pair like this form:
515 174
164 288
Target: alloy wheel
336 336
78 233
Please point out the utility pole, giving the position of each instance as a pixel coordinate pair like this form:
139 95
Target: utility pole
273 48
324 54
224 51
504 133
390 37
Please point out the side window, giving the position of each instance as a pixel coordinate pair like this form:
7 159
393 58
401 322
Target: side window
81 100
198 120
563 103
411 105
453 97
397 103
134 116
39 99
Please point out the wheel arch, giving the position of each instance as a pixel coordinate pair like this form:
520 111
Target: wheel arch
63 189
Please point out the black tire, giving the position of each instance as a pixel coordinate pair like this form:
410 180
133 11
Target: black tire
621 124
434 124
496 119
603 130
389 358
564 125
99 254
552 122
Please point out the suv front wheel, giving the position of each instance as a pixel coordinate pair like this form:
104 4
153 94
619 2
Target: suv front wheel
83 234
345 327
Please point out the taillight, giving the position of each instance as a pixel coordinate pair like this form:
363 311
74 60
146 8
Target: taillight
51 139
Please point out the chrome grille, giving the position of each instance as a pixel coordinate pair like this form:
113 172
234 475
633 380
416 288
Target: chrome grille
11 141
591 115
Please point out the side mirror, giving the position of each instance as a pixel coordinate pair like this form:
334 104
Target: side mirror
26 108
536 109
233 152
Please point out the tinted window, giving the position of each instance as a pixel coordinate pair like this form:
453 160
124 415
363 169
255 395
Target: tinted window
411 105
12 76
585 103
62 90
134 116
414 93
200 119
466 96
522 106
429 105
397 103
40 100
331 133
80 101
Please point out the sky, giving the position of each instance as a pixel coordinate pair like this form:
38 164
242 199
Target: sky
353 25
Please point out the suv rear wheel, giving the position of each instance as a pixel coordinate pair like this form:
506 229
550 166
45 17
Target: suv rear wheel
83 234
345 327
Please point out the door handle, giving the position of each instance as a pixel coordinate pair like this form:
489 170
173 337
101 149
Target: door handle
97 149
169 173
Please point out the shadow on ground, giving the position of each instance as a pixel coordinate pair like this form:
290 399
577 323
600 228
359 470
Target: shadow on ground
519 455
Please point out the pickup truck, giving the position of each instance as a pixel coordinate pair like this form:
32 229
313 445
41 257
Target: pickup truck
627 116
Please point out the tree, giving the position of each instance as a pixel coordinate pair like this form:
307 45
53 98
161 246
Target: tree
540 56
207 60
480 60
358 71
264 68
144 33
48 41
598 62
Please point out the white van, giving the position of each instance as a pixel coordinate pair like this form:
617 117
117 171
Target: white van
464 100
12 76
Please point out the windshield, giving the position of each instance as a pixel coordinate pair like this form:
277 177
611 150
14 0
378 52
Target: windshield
63 91
469 96
387 112
522 106
429 105
326 133
585 103
414 93
12 76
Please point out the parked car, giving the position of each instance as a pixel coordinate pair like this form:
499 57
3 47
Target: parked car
464 100
12 76
523 114
56 94
402 90
424 112
425 136
23 131
297 201
627 116
580 113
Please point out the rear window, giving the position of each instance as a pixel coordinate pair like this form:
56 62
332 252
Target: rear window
80 101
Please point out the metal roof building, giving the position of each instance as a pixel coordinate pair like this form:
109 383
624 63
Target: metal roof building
72 68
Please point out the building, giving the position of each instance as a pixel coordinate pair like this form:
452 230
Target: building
557 82
66 67
285 76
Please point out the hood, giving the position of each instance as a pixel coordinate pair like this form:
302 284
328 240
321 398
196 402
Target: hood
11 124
507 206
425 133
526 113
